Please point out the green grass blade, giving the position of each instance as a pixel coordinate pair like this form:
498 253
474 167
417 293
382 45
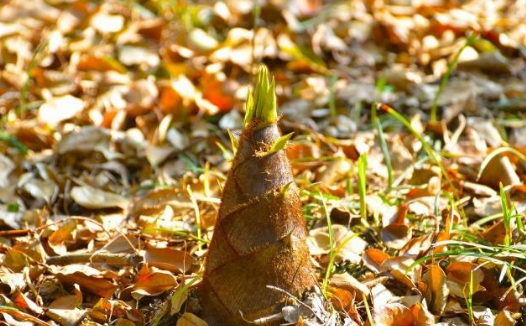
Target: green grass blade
332 95
362 184
506 215
332 251
445 79
13 142
430 152
383 145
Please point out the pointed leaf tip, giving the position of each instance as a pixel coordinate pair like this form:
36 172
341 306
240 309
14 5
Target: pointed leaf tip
261 103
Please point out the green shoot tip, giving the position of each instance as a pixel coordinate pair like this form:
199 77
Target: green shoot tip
261 102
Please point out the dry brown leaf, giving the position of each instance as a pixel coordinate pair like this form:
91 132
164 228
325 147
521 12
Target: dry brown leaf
58 109
90 197
84 140
349 244
374 258
11 313
499 170
151 281
459 278
6 167
189 319
436 290
393 314
65 232
22 301
169 259
421 316
347 282
11 282
39 189
505 318
104 309
89 278
67 317
68 302
124 322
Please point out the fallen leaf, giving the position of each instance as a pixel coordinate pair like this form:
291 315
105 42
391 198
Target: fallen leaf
12 282
93 198
67 317
393 314
106 23
436 290
169 259
84 140
459 278
349 244
89 278
6 167
58 109
349 283
151 281
189 319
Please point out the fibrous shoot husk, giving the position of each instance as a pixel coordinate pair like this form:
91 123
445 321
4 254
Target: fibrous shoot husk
259 237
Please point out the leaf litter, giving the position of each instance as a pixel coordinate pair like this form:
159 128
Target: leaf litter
118 121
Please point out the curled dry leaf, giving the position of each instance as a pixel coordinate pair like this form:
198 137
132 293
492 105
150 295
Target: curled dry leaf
10 219
422 316
158 154
122 244
505 318
68 302
436 291
22 318
151 281
58 238
169 259
67 317
156 200
343 301
374 258
22 301
89 278
499 170
93 198
393 314
58 109
105 308
347 244
11 321
84 140
380 262
10 281
395 233
6 167
348 282
106 23
39 189
459 277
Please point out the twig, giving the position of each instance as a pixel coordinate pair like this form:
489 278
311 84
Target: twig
15 233
99 257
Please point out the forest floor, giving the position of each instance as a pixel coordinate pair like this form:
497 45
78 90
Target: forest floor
409 138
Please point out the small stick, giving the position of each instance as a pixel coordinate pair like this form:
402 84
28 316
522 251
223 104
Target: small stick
15 233
100 257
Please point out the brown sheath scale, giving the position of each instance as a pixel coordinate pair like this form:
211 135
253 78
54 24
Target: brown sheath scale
260 235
